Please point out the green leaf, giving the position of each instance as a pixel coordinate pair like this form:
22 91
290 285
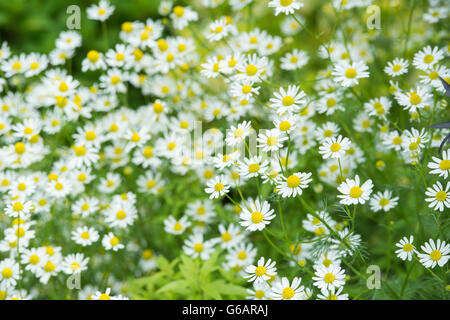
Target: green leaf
211 290
178 286
232 289
209 266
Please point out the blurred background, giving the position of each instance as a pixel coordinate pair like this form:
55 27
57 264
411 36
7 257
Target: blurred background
33 25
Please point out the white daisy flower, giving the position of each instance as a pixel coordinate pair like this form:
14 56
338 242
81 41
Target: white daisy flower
397 67
435 253
334 147
288 101
383 201
439 197
440 166
427 57
353 192
285 6
329 278
407 248
348 73
217 187
256 216
294 184
271 140
283 290
262 271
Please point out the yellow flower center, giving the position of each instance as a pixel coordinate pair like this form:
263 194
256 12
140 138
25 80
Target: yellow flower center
85 235
49 266
93 56
355 192
408 247
285 3
74 266
17 206
198 247
335 147
34 259
226 236
350 73
7 273
219 186
433 75
260 271
121 215
19 147
251 70
178 11
257 217
444 165
242 255
396 68
254 167
114 241
288 292
441 195
293 181
415 99
288 101
284 126
177 226
329 277
428 59
435 255
115 80
90 135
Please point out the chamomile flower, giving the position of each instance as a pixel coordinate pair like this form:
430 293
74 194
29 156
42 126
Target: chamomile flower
100 12
217 187
440 166
283 290
238 134
251 68
427 57
9 272
271 140
353 192
438 196
85 236
436 253
334 147
181 16
112 242
329 278
294 60
218 30
260 291
176 226
74 263
195 246
285 6
294 184
383 201
407 248
334 294
256 216
288 101
229 237
397 67
348 73
252 167
262 271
